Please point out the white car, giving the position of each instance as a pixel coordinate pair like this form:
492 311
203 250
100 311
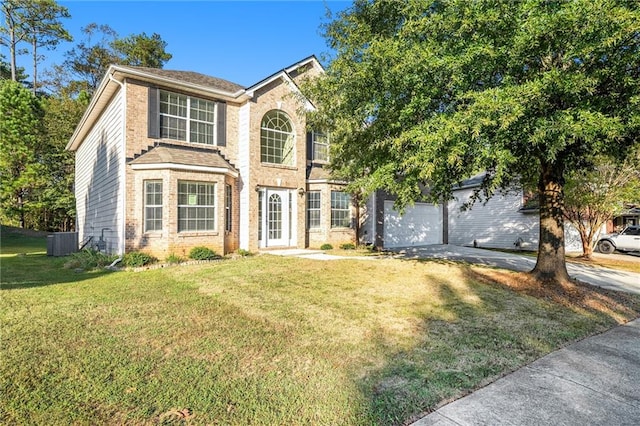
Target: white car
627 240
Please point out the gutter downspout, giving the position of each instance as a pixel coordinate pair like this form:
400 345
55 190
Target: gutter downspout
122 176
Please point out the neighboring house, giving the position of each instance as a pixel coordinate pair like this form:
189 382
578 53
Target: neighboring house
169 160
628 218
507 220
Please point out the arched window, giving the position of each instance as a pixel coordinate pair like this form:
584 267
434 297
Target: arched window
277 139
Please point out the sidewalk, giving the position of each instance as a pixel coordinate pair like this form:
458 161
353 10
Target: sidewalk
592 382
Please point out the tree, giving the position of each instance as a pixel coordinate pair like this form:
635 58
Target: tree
432 93
56 200
595 196
21 167
142 51
42 27
13 30
5 71
89 60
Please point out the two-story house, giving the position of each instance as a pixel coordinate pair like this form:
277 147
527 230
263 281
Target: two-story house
169 160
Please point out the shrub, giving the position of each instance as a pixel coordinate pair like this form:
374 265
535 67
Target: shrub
326 246
89 259
348 246
202 253
174 258
243 252
136 259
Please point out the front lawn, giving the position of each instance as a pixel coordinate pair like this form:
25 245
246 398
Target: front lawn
271 340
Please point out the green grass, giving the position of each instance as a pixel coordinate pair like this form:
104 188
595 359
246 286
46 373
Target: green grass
263 340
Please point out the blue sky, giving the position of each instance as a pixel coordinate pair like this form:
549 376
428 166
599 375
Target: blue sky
241 41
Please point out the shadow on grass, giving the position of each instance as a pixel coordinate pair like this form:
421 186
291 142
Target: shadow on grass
496 322
23 271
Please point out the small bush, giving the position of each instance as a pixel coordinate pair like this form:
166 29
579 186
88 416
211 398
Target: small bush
326 246
174 258
202 253
244 253
135 259
348 246
89 259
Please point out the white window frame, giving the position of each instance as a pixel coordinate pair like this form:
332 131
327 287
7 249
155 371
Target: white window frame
194 203
340 209
320 147
282 133
157 208
316 208
189 119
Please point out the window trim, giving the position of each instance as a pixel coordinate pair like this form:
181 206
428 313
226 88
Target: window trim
335 210
189 120
213 206
291 139
146 220
317 209
325 144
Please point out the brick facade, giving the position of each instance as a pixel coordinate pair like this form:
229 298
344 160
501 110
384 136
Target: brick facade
288 182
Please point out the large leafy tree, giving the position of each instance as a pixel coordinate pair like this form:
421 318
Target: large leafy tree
21 166
55 200
432 92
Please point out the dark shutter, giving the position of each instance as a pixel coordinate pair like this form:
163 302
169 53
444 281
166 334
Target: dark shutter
222 124
309 146
153 120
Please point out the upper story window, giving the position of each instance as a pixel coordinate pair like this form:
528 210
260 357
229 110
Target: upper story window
277 139
320 145
186 118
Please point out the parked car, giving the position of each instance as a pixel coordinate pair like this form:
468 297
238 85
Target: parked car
627 240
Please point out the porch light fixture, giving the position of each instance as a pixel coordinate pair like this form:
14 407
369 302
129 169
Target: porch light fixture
301 191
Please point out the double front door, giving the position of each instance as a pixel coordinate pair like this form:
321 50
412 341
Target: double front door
277 212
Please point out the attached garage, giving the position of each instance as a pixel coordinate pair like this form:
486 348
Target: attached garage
420 224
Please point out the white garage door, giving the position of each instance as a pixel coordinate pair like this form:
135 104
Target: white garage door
421 224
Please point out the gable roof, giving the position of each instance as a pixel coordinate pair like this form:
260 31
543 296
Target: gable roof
186 80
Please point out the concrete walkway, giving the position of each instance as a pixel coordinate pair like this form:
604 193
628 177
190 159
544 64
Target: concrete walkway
602 277
315 254
593 382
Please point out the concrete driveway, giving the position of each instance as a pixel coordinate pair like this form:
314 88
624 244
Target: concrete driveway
602 277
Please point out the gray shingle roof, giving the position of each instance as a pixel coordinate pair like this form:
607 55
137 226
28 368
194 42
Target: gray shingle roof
191 77
177 154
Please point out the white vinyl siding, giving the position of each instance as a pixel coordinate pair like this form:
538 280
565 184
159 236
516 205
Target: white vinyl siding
498 223
99 185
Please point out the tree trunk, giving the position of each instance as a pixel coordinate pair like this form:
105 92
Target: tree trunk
551 264
34 46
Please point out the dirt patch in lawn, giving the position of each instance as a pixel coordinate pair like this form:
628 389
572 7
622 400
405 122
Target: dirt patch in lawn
576 295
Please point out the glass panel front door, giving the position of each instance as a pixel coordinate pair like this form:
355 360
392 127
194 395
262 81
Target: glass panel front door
277 223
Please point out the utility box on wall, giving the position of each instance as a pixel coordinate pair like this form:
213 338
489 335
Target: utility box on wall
62 243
